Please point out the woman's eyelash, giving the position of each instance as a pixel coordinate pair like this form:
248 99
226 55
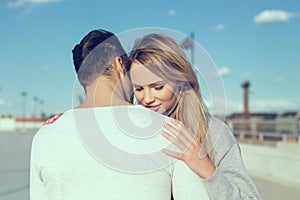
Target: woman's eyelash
137 88
159 87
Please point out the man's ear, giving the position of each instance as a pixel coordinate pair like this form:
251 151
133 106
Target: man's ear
119 66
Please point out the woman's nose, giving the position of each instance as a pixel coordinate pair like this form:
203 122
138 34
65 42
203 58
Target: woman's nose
148 98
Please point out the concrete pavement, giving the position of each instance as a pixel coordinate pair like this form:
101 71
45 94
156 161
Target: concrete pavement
14 171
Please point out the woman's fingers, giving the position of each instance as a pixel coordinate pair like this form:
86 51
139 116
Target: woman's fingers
175 140
184 139
52 119
49 121
180 132
57 116
172 154
187 131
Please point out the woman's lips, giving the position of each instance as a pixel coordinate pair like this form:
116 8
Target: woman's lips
154 108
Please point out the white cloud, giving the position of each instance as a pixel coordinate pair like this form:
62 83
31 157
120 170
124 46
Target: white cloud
272 105
45 68
224 106
273 16
172 12
233 106
22 3
5 103
1 102
279 79
263 105
246 76
24 13
224 71
219 27
217 105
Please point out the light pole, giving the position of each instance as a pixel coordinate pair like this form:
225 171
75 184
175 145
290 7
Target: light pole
24 94
35 110
188 43
41 108
193 49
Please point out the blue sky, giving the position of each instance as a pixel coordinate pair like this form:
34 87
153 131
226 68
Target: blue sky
255 40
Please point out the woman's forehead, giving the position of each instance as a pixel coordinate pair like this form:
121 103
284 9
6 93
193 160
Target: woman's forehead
141 75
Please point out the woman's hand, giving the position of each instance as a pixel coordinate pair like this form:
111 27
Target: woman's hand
52 119
193 153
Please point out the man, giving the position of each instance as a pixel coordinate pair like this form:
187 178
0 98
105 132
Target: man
105 148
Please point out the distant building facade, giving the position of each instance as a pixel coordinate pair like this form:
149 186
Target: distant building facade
7 123
11 123
286 123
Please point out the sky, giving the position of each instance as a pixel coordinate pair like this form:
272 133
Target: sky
255 40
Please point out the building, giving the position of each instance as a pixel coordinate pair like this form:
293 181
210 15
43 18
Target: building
7 123
266 126
288 123
256 122
12 123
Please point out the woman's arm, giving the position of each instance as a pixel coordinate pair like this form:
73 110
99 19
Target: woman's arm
227 178
231 180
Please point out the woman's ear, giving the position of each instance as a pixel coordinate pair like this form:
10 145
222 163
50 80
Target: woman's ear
119 66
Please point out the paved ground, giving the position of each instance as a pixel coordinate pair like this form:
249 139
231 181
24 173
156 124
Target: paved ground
275 191
14 171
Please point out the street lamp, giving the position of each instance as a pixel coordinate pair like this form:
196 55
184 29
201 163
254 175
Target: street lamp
41 108
35 110
24 94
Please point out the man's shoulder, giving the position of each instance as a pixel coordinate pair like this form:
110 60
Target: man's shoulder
132 114
49 131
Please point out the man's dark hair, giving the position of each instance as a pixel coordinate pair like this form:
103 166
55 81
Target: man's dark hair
95 53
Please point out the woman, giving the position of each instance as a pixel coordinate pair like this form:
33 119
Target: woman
164 81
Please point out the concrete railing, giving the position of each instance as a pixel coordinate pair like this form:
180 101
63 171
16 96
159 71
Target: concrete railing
279 163
266 136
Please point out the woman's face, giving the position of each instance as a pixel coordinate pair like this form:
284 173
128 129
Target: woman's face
150 90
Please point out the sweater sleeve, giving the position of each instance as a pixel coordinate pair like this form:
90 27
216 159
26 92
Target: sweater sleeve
231 180
37 186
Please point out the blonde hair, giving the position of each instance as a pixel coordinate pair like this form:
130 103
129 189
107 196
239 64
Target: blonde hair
164 57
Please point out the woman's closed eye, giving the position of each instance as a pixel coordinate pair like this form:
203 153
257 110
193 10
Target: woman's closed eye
137 88
159 87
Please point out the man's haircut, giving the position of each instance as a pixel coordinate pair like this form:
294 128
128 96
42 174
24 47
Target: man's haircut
95 53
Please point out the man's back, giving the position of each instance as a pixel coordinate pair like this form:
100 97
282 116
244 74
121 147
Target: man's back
70 159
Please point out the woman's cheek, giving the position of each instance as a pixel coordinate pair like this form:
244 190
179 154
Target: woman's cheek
138 96
167 95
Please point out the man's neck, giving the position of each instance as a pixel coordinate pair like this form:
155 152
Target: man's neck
103 93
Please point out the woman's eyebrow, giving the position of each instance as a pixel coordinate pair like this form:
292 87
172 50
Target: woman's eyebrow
151 84
157 83
135 85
